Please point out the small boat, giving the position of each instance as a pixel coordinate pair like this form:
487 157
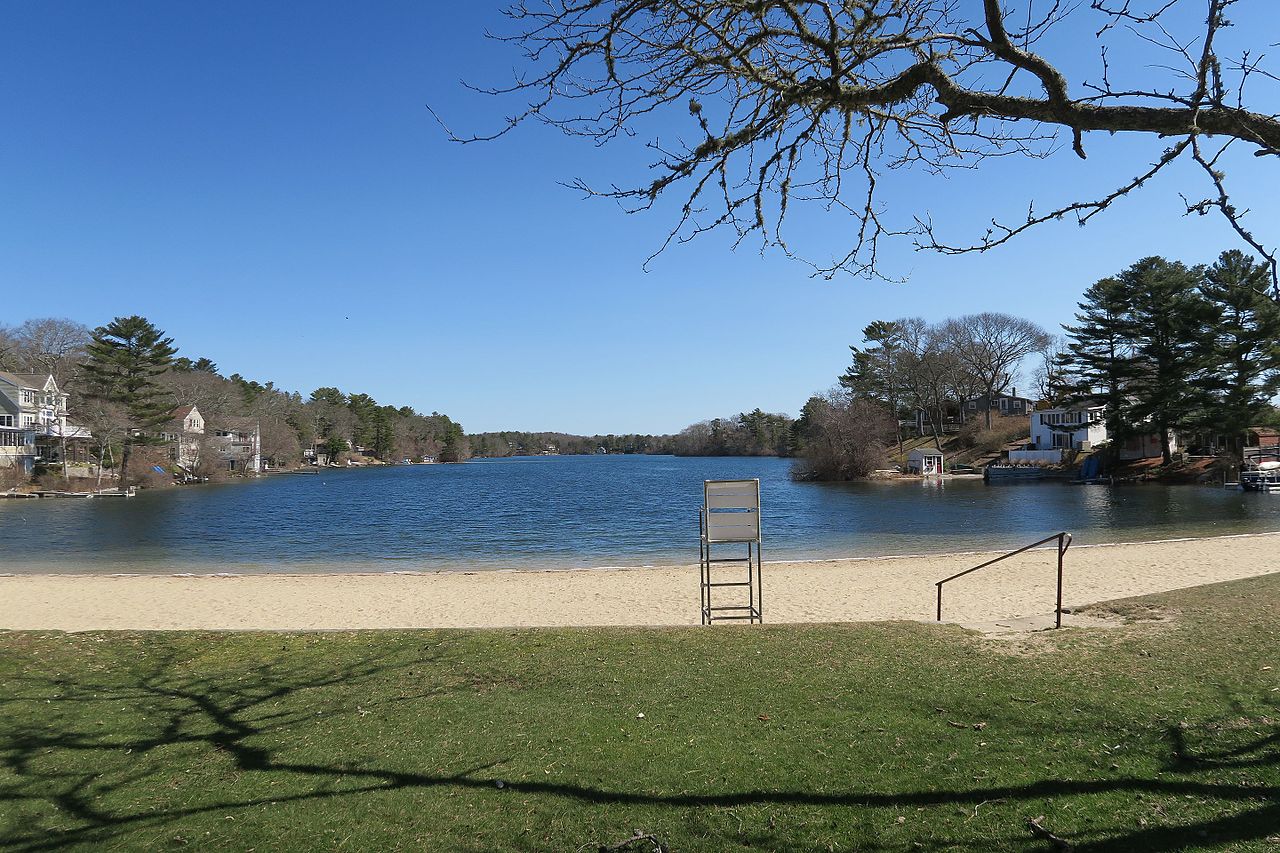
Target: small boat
1262 477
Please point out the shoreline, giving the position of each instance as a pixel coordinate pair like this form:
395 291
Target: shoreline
845 590
643 567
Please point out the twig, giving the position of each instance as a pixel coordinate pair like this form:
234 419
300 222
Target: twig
1038 830
981 804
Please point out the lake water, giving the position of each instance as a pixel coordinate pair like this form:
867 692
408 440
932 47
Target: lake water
577 512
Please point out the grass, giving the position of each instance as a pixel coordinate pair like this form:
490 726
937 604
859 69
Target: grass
845 737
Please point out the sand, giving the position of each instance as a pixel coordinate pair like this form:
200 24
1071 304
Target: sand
820 591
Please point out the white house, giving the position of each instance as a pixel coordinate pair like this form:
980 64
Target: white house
17 442
1068 428
33 412
1082 427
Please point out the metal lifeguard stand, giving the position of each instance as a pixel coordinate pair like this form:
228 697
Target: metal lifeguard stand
731 515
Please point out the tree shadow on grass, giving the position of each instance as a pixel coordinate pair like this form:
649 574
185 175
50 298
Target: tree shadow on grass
224 714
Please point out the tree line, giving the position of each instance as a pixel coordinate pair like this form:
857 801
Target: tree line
1168 347
754 433
518 443
125 379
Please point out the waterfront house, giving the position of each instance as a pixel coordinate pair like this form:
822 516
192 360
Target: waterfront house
17 439
1074 427
33 421
231 443
1010 405
237 443
184 433
955 416
1082 426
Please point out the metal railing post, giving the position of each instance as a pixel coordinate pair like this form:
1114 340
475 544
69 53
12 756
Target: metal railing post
1061 551
1064 542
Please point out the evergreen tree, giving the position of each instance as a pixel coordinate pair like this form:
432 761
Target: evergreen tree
872 374
1098 360
1171 328
1246 344
455 448
124 358
329 395
875 372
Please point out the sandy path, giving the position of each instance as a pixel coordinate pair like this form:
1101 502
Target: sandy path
839 590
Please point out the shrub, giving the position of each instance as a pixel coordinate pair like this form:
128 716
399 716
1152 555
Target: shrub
843 438
12 476
143 462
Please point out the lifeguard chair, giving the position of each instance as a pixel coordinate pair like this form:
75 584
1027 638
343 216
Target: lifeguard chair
731 516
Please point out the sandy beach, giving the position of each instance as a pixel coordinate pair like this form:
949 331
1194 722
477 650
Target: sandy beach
824 591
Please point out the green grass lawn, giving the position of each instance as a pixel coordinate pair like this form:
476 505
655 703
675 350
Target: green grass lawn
860 737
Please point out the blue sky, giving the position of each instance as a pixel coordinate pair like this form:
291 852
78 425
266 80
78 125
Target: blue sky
265 183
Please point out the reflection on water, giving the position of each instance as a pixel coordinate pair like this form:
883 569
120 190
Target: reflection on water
578 511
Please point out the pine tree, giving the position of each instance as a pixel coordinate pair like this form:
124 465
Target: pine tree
1171 327
875 371
1246 344
1099 357
125 357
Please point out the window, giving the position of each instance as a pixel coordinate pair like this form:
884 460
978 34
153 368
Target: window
6 420
28 397
973 404
1004 404
1062 439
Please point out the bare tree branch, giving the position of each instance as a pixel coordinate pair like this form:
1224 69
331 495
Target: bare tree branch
800 100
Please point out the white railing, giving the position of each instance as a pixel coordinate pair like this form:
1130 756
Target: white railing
1053 456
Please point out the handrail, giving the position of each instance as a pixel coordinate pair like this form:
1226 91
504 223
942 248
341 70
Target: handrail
1064 542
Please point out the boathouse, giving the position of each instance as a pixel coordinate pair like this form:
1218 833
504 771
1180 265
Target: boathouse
925 461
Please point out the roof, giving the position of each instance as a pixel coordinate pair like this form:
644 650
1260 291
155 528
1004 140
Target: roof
181 412
1079 406
1000 396
924 451
26 380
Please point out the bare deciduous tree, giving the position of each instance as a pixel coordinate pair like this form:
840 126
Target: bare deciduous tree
8 349
1051 378
109 425
52 345
990 346
791 100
